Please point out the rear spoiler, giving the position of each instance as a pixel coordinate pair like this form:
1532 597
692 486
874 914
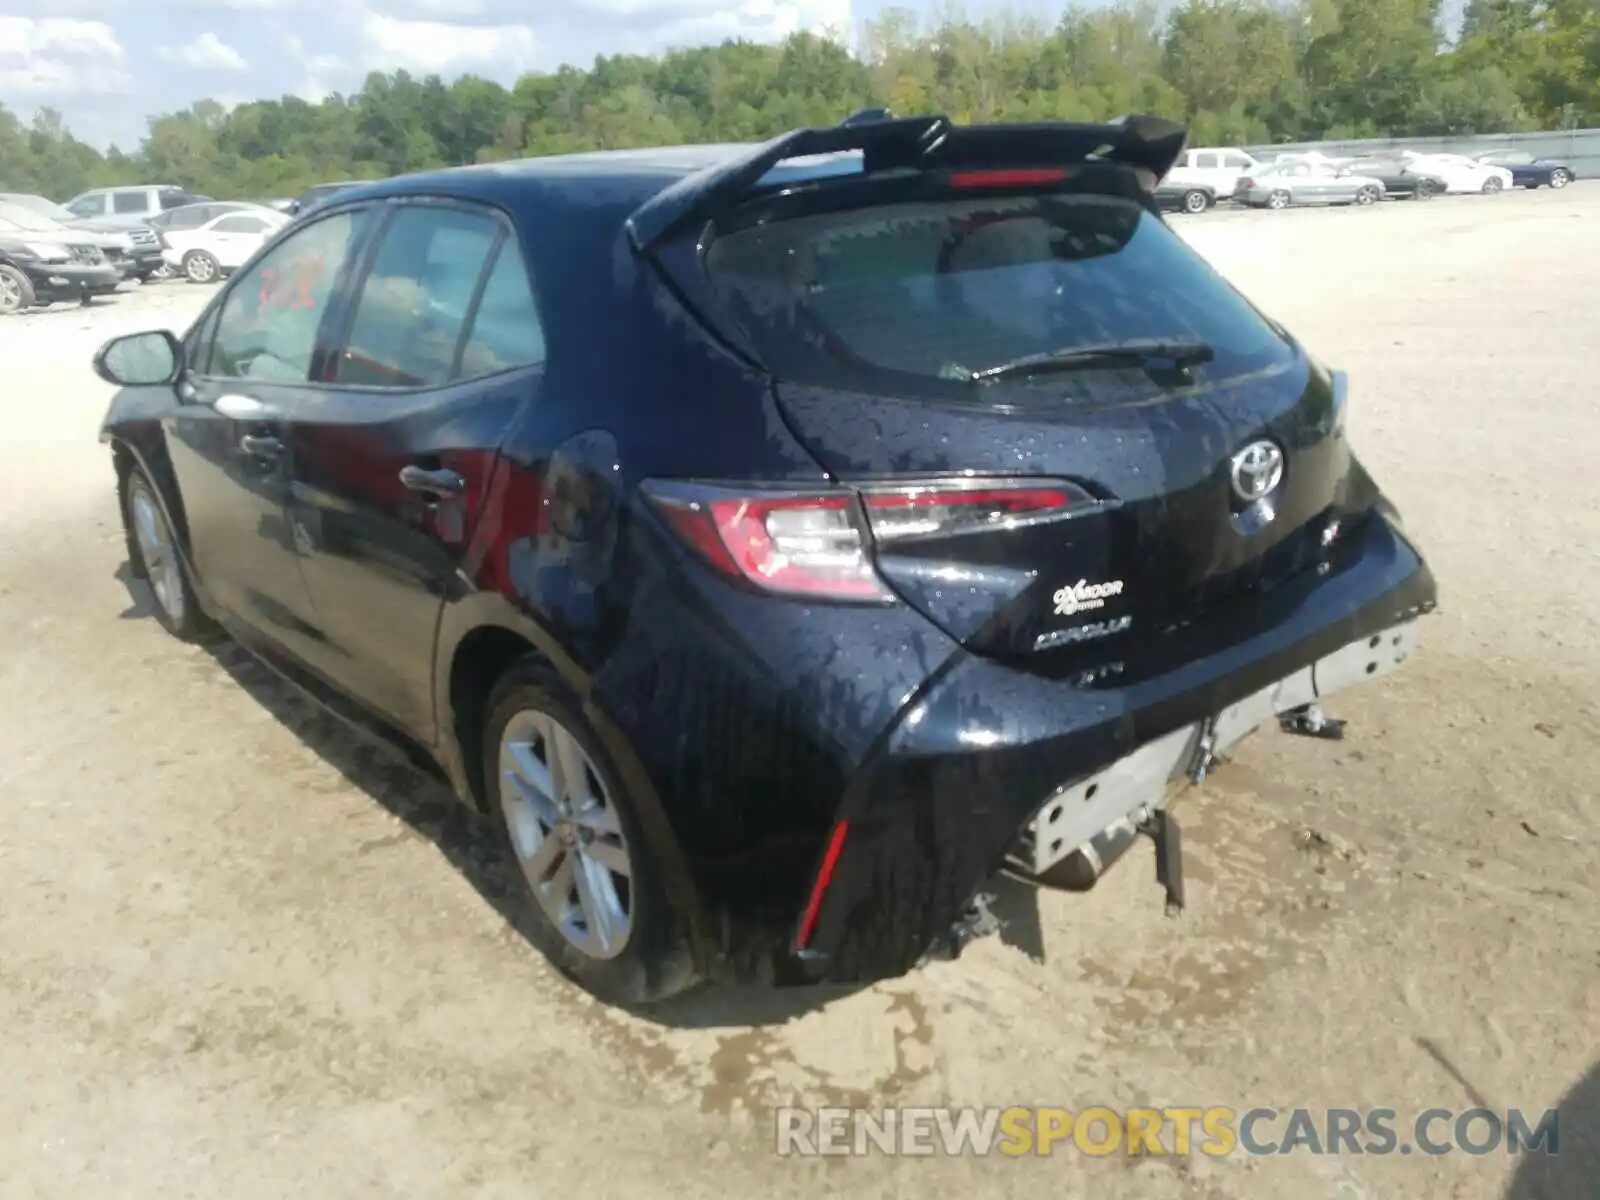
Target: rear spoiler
929 143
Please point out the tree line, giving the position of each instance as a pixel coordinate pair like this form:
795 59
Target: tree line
1240 72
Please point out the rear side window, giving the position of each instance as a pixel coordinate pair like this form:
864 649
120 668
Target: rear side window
415 301
913 298
187 216
241 225
89 206
128 202
506 330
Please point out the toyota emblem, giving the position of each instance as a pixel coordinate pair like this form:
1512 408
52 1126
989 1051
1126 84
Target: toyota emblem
1256 471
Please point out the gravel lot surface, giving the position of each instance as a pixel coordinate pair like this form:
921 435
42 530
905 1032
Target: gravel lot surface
242 955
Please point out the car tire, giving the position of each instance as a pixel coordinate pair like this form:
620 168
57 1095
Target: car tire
1559 178
1492 185
1426 190
1279 199
201 267
154 557
1368 195
16 291
553 830
1196 201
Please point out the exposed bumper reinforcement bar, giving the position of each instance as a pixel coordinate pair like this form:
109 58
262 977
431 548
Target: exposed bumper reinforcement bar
1129 794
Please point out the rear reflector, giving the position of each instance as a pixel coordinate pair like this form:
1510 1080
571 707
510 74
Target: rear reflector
1037 177
830 860
815 544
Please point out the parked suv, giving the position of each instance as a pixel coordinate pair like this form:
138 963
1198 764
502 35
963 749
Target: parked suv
780 541
126 206
1218 168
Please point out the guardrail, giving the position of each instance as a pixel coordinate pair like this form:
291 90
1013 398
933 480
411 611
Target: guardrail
1578 148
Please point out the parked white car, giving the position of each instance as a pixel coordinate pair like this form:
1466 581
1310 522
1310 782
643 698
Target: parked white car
1218 168
1460 173
223 244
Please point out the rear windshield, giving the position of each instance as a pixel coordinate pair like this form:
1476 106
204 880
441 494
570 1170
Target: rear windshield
915 297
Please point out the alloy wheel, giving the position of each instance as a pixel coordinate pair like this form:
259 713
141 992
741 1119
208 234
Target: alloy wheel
10 294
201 268
566 833
1491 185
1194 202
163 572
1278 200
1366 196
1559 179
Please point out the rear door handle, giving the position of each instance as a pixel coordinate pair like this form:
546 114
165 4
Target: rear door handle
440 484
260 447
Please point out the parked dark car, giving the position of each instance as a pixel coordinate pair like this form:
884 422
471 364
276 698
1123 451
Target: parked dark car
1185 197
316 195
780 540
1528 170
1400 180
44 272
144 254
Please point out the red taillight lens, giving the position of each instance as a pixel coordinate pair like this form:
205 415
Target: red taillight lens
1247 182
801 545
1037 177
813 543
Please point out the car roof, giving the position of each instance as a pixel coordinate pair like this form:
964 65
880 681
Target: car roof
638 174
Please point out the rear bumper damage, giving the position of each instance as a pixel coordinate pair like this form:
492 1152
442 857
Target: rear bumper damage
997 769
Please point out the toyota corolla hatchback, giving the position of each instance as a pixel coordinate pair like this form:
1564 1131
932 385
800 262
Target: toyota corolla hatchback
779 541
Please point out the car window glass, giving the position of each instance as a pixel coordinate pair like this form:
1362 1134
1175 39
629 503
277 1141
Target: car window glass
1238 161
127 202
412 306
912 299
240 225
173 199
1205 160
269 322
88 206
506 331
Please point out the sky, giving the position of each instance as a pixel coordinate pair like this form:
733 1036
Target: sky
107 64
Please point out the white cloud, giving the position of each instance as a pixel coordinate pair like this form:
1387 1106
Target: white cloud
60 56
24 37
389 44
207 52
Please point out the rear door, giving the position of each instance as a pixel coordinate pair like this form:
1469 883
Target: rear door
874 321
440 349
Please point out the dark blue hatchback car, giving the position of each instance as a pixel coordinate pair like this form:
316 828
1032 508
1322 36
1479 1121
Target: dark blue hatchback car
780 541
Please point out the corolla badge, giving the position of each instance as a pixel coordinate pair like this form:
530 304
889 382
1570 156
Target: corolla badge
1083 595
1256 470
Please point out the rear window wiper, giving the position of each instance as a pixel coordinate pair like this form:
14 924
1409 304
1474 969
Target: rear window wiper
1073 358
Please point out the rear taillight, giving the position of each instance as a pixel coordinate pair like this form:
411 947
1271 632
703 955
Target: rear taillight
1246 183
819 543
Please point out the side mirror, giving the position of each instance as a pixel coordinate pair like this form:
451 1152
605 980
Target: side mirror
140 359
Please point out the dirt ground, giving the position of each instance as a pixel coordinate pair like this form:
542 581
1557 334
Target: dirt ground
243 955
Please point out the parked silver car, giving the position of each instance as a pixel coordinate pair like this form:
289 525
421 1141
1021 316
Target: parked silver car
1291 182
